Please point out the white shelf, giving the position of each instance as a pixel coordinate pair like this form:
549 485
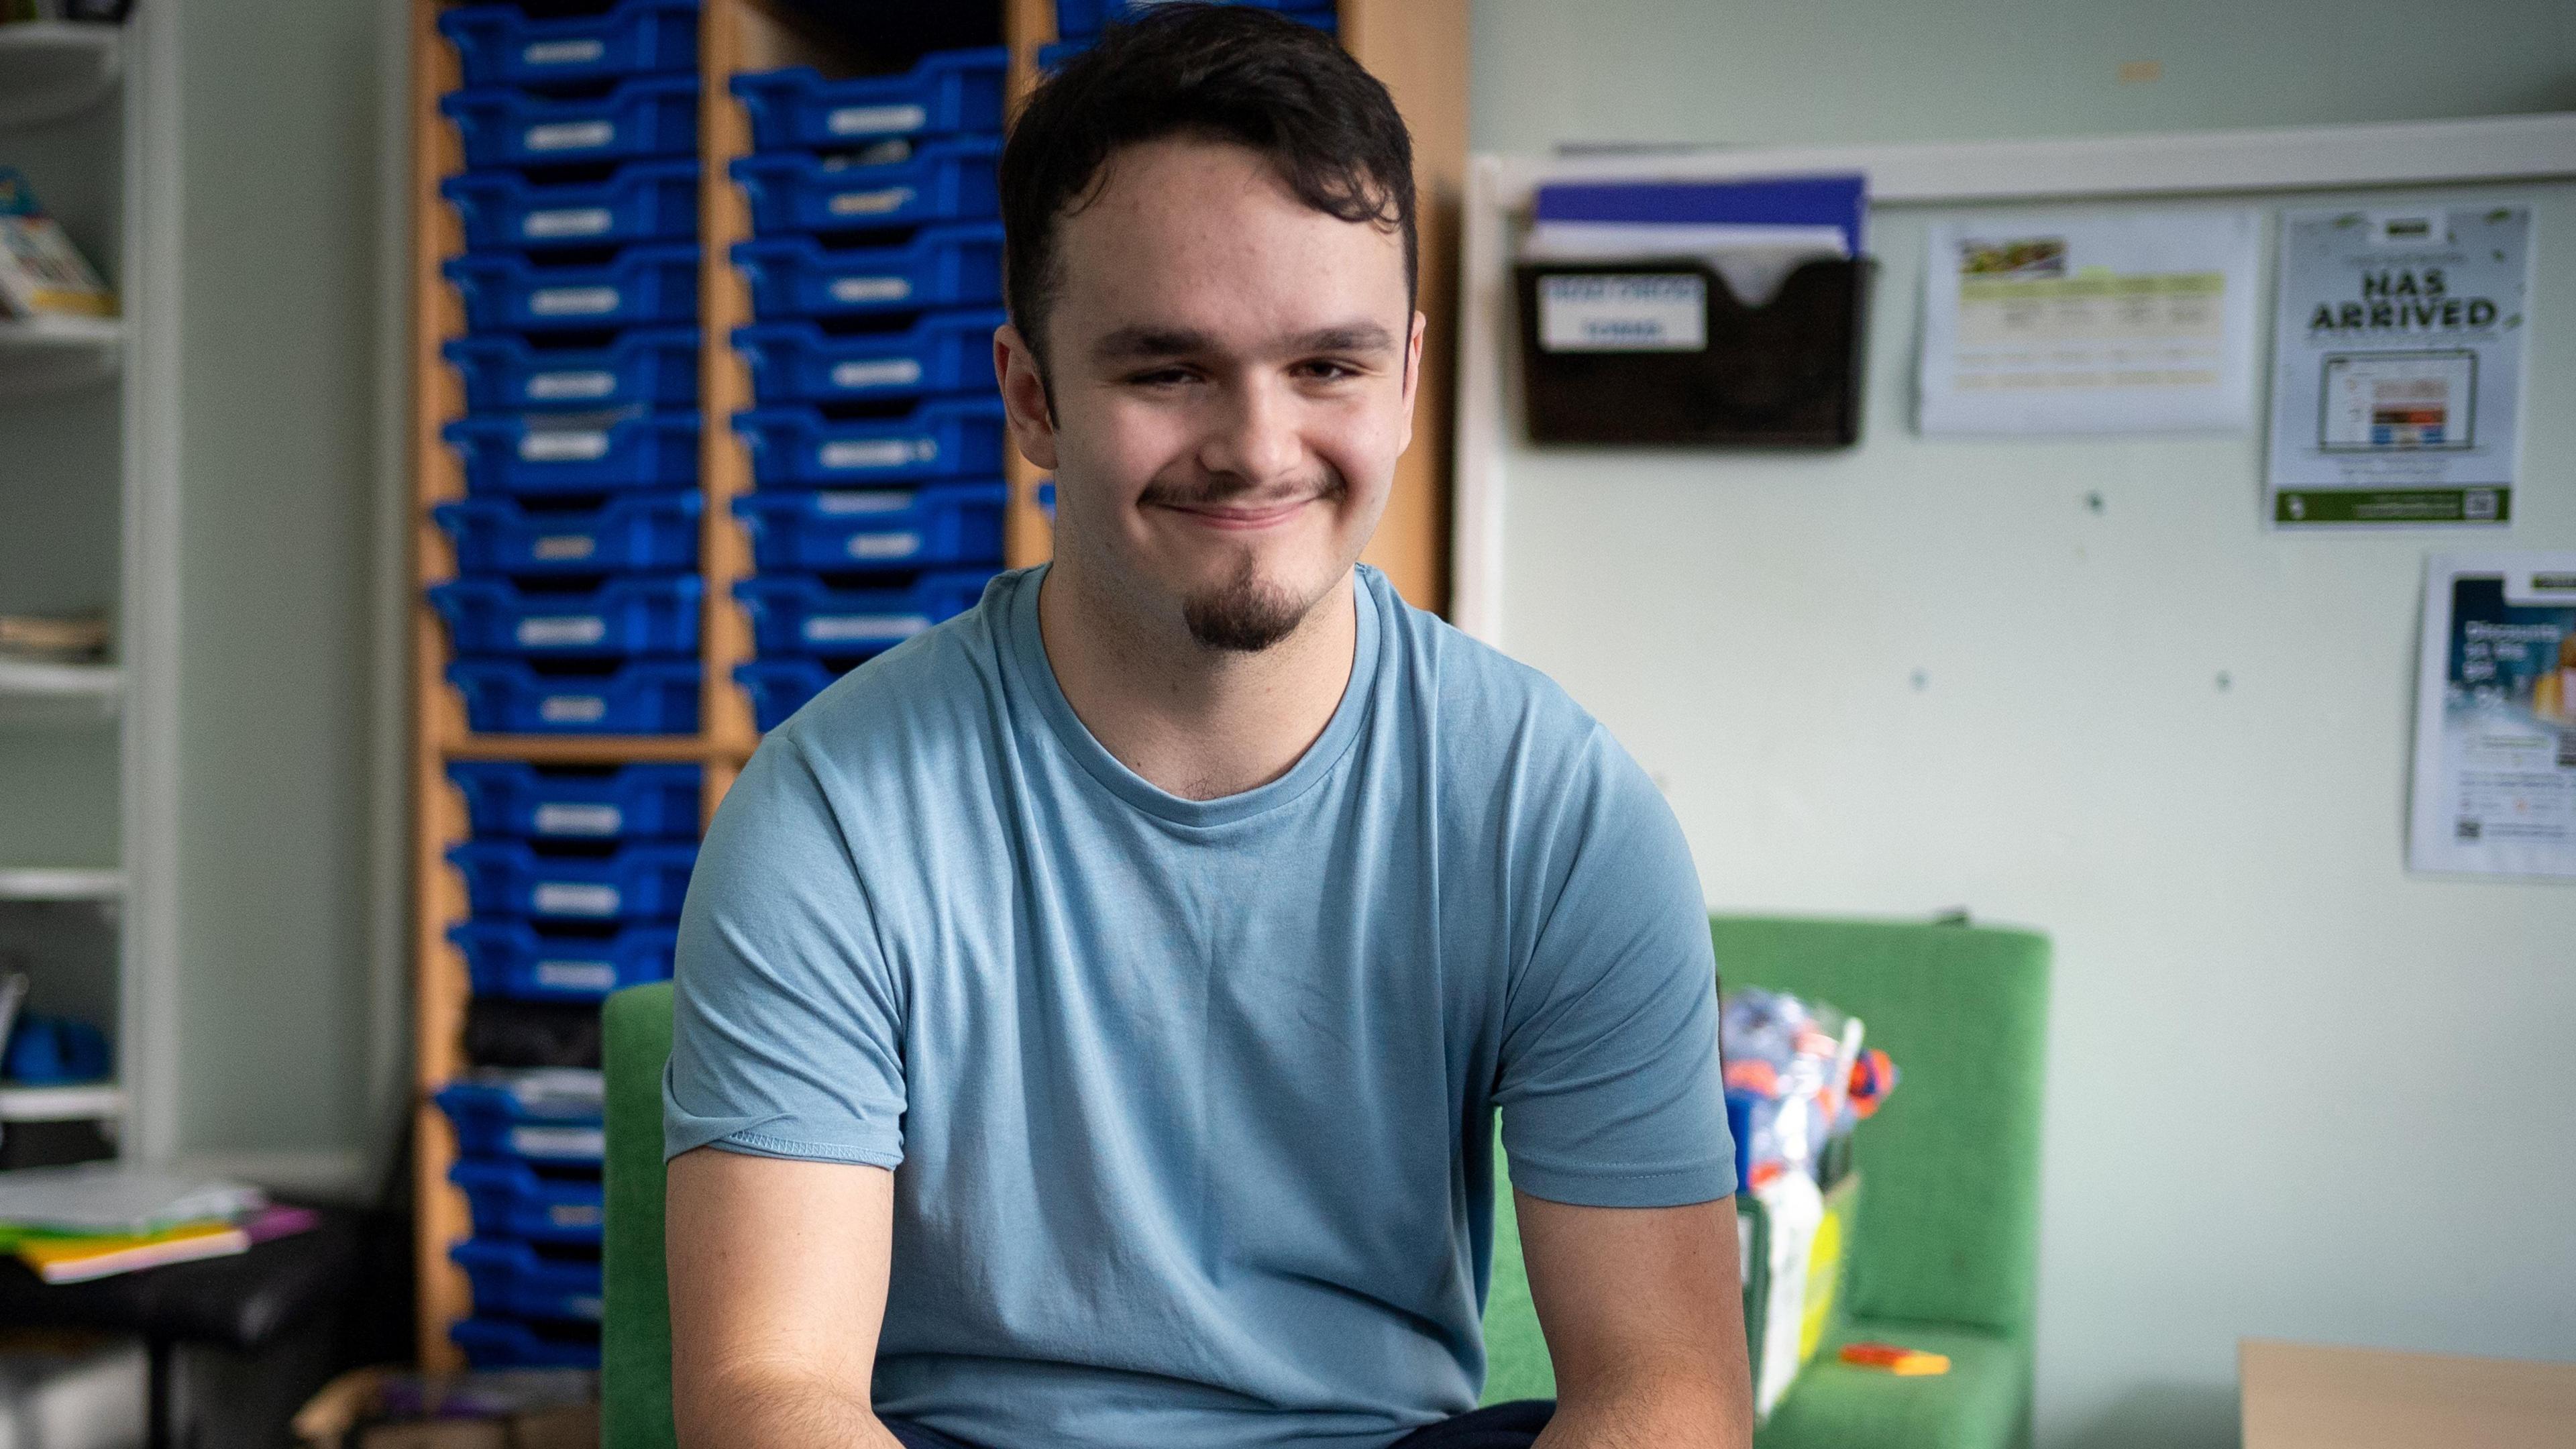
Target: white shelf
50 354
49 694
81 1102
50 69
60 883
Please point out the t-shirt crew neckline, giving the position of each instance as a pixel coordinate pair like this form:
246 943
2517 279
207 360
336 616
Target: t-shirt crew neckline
1036 674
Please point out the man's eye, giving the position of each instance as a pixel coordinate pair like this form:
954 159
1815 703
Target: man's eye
1162 377
1327 370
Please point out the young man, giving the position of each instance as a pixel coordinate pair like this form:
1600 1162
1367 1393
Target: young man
1092 1015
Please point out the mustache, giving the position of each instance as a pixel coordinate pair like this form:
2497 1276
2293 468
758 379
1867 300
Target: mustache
1221 492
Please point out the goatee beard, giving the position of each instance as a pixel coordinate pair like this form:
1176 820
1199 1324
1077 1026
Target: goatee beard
1243 615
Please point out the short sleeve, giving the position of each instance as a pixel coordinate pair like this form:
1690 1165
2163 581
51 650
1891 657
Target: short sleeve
1610 1087
787 1025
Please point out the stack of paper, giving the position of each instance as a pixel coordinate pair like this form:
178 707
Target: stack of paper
1752 231
72 1224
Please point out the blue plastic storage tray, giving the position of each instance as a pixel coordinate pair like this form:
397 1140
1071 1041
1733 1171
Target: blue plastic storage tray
780 687
547 1115
631 532
571 802
942 266
593 452
1085 18
649 115
648 365
525 962
944 180
623 615
514 1277
515 1199
798 447
644 284
641 201
939 525
800 614
799 362
642 880
635 697
950 91
503 45
503 1343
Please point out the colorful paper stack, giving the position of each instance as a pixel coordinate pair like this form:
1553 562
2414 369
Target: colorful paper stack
96 1220
876 437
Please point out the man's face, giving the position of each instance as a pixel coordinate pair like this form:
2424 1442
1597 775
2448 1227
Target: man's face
1231 377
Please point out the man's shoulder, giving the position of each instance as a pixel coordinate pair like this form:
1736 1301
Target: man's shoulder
1480 704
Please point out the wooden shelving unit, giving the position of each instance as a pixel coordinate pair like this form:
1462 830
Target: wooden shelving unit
1417 46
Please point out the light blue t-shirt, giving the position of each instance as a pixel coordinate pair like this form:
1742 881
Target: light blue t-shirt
1190 1102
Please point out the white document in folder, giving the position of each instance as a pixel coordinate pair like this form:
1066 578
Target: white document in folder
1753 259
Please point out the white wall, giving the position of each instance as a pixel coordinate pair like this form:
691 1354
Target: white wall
2292 1091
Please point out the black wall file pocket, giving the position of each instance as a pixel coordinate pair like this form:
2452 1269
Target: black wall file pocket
1662 351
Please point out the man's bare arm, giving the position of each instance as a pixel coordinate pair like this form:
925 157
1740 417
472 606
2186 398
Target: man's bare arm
778 1286
1643 1310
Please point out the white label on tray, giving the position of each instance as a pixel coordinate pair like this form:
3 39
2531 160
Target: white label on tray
548 386
572 708
894 372
878 501
876 120
575 1215
880 453
563 445
851 628
561 818
559 547
584 1306
1627 313
871 203
884 545
577 975
559 1141
561 631
570 136
871 289
572 301
576 898
563 52
568 221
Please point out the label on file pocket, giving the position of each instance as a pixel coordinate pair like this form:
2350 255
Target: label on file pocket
563 445
893 372
561 631
568 221
576 898
871 289
569 136
559 1141
577 975
884 545
1646 312
554 386
563 52
880 453
572 301
876 120
857 628
870 203
559 818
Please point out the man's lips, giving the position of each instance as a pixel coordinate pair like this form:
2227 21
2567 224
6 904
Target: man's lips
1244 514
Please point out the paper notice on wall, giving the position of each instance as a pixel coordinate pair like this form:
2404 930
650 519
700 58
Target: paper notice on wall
2397 366
2495 717
2090 322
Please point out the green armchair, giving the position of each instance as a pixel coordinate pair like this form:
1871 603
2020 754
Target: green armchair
1944 1256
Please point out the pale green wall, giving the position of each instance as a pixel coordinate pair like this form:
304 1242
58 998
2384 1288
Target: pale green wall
279 99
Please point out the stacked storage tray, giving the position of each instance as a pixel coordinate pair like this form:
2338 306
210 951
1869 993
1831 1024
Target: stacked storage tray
875 434
1083 20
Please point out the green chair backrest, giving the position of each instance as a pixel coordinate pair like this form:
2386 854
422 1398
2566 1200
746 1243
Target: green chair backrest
1949 1226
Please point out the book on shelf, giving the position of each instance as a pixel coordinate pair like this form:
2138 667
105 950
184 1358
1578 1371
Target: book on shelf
41 273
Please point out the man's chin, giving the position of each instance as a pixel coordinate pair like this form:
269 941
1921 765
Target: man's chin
1245 614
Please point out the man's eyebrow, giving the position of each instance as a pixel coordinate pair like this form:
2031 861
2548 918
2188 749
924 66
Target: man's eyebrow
1129 344
1348 337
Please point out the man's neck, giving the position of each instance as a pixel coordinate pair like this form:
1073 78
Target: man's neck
1198 722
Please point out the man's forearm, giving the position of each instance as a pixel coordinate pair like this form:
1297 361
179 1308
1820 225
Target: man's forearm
1653 1411
782 1411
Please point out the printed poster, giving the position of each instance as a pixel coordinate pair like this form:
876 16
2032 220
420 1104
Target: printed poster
2090 322
2495 717
2397 366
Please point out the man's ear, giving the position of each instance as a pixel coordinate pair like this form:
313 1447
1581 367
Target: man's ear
1413 372
1024 396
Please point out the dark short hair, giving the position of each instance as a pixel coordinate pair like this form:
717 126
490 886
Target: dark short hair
1226 73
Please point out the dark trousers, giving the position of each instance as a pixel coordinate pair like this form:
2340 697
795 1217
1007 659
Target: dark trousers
1502 1426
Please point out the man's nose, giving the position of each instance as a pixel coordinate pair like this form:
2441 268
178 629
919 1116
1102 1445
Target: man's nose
1252 437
